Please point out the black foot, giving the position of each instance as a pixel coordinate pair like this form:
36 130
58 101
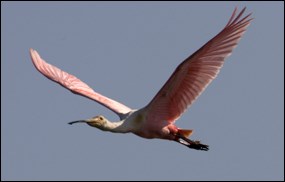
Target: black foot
191 144
198 146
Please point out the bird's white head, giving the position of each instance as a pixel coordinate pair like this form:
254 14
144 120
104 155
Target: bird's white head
97 121
104 124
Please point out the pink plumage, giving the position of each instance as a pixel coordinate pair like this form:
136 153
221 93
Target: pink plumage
187 82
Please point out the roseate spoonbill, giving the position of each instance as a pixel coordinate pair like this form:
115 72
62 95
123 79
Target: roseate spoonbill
156 120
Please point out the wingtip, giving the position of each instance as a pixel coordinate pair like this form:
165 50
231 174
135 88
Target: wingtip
34 53
31 50
233 19
35 57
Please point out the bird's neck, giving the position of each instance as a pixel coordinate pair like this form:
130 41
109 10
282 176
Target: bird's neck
115 127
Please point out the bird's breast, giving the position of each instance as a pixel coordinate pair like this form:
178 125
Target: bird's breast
143 127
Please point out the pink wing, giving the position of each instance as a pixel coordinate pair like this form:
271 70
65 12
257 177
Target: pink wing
75 85
193 75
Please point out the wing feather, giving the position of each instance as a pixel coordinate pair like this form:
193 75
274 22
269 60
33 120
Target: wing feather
194 74
75 85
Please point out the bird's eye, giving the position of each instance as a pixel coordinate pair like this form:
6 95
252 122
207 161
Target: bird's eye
101 118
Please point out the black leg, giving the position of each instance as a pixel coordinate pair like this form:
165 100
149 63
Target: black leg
190 143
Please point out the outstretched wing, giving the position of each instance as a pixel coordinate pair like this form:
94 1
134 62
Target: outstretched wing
75 85
193 75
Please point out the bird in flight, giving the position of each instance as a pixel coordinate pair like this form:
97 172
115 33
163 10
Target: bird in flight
157 118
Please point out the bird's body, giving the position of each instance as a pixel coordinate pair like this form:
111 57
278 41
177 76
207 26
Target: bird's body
156 120
135 122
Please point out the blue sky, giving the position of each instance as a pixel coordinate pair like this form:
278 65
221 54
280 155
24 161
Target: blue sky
126 51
